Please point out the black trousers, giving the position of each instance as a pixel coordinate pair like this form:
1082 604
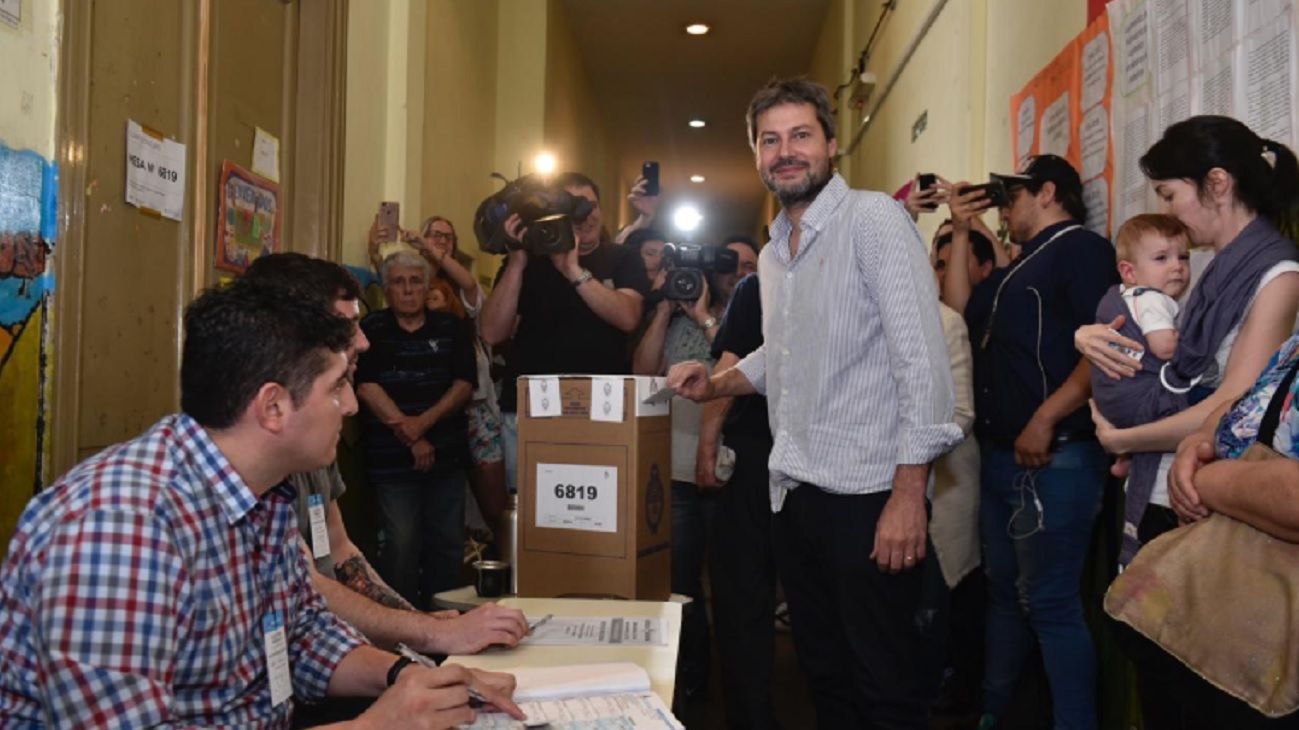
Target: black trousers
742 571
1172 696
870 644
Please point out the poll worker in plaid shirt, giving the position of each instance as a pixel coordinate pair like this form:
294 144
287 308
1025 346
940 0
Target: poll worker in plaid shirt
162 582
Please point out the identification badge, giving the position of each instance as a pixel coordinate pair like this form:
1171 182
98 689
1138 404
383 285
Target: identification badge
319 531
277 658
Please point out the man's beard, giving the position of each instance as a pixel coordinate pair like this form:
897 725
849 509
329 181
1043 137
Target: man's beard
802 192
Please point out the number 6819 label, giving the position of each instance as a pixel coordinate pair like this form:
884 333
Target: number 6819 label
577 497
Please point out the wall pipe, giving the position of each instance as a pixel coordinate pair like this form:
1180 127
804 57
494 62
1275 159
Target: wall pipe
912 45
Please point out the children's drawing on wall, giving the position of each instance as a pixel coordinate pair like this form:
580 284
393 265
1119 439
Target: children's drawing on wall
28 186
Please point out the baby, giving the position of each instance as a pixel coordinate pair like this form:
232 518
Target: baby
1154 264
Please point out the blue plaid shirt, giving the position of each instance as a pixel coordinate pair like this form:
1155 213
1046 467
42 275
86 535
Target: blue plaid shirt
134 590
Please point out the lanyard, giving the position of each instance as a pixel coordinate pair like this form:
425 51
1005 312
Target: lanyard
996 298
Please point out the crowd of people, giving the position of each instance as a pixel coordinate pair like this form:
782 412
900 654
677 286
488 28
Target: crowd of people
912 442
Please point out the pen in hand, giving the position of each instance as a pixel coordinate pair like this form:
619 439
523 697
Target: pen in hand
476 699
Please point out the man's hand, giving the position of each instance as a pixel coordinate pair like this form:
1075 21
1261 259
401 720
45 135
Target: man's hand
514 228
690 380
964 208
1033 447
443 615
901 531
424 455
567 263
1194 453
433 699
378 235
699 310
488 625
927 200
706 466
409 429
646 205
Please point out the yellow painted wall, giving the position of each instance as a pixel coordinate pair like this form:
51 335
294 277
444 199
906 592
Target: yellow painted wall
29 54
489 85
975 55
573 126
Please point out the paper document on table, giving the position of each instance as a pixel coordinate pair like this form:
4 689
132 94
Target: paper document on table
605 696
630 711
600 631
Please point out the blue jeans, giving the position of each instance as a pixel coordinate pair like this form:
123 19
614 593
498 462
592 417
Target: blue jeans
423 527
1033 554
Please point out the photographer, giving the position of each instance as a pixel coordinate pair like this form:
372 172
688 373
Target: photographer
680 331
568 314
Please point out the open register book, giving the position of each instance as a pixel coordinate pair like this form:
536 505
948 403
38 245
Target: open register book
609 696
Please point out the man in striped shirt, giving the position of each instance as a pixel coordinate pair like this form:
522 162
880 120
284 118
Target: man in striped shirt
859 390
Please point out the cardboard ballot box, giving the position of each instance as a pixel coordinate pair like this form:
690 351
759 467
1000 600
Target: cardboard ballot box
595 484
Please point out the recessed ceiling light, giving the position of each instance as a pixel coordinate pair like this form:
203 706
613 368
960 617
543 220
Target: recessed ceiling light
697 178
698 123
697 28
544 163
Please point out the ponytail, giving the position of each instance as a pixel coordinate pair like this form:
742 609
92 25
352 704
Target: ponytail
1283 210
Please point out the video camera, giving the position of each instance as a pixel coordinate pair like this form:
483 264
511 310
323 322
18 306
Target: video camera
549 213
687 263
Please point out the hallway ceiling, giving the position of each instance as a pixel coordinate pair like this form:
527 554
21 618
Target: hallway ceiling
651 78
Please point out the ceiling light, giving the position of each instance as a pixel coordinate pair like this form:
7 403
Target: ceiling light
697 178
544 163
687 218
698 123
697 29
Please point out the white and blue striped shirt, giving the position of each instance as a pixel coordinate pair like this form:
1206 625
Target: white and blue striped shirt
854 367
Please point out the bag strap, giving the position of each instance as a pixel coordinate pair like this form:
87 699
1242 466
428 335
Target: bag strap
1272 418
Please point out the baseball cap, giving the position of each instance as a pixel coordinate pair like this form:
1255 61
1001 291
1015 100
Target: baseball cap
1041 169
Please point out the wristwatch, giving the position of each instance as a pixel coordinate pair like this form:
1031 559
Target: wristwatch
401 663
582 278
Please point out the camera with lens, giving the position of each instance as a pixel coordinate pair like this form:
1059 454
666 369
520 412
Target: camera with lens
688 263
548 211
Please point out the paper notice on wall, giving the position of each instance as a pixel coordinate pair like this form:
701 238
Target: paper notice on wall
1024 122
1136 140
1095 68
577 497
1055 128
543 398
1173 106
155 172
1215 87
606 399
1172 30
1095 141
1269 60
11 12
1135 38
266 154
1215 27
1096 196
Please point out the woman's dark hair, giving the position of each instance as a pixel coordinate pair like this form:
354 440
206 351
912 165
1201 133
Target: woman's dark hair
741 238
1266 172
640 237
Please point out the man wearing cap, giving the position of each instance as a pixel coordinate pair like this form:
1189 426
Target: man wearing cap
1042 468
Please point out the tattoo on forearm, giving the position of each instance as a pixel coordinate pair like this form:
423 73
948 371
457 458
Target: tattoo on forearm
356 574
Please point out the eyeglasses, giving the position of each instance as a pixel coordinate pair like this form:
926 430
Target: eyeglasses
443 235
